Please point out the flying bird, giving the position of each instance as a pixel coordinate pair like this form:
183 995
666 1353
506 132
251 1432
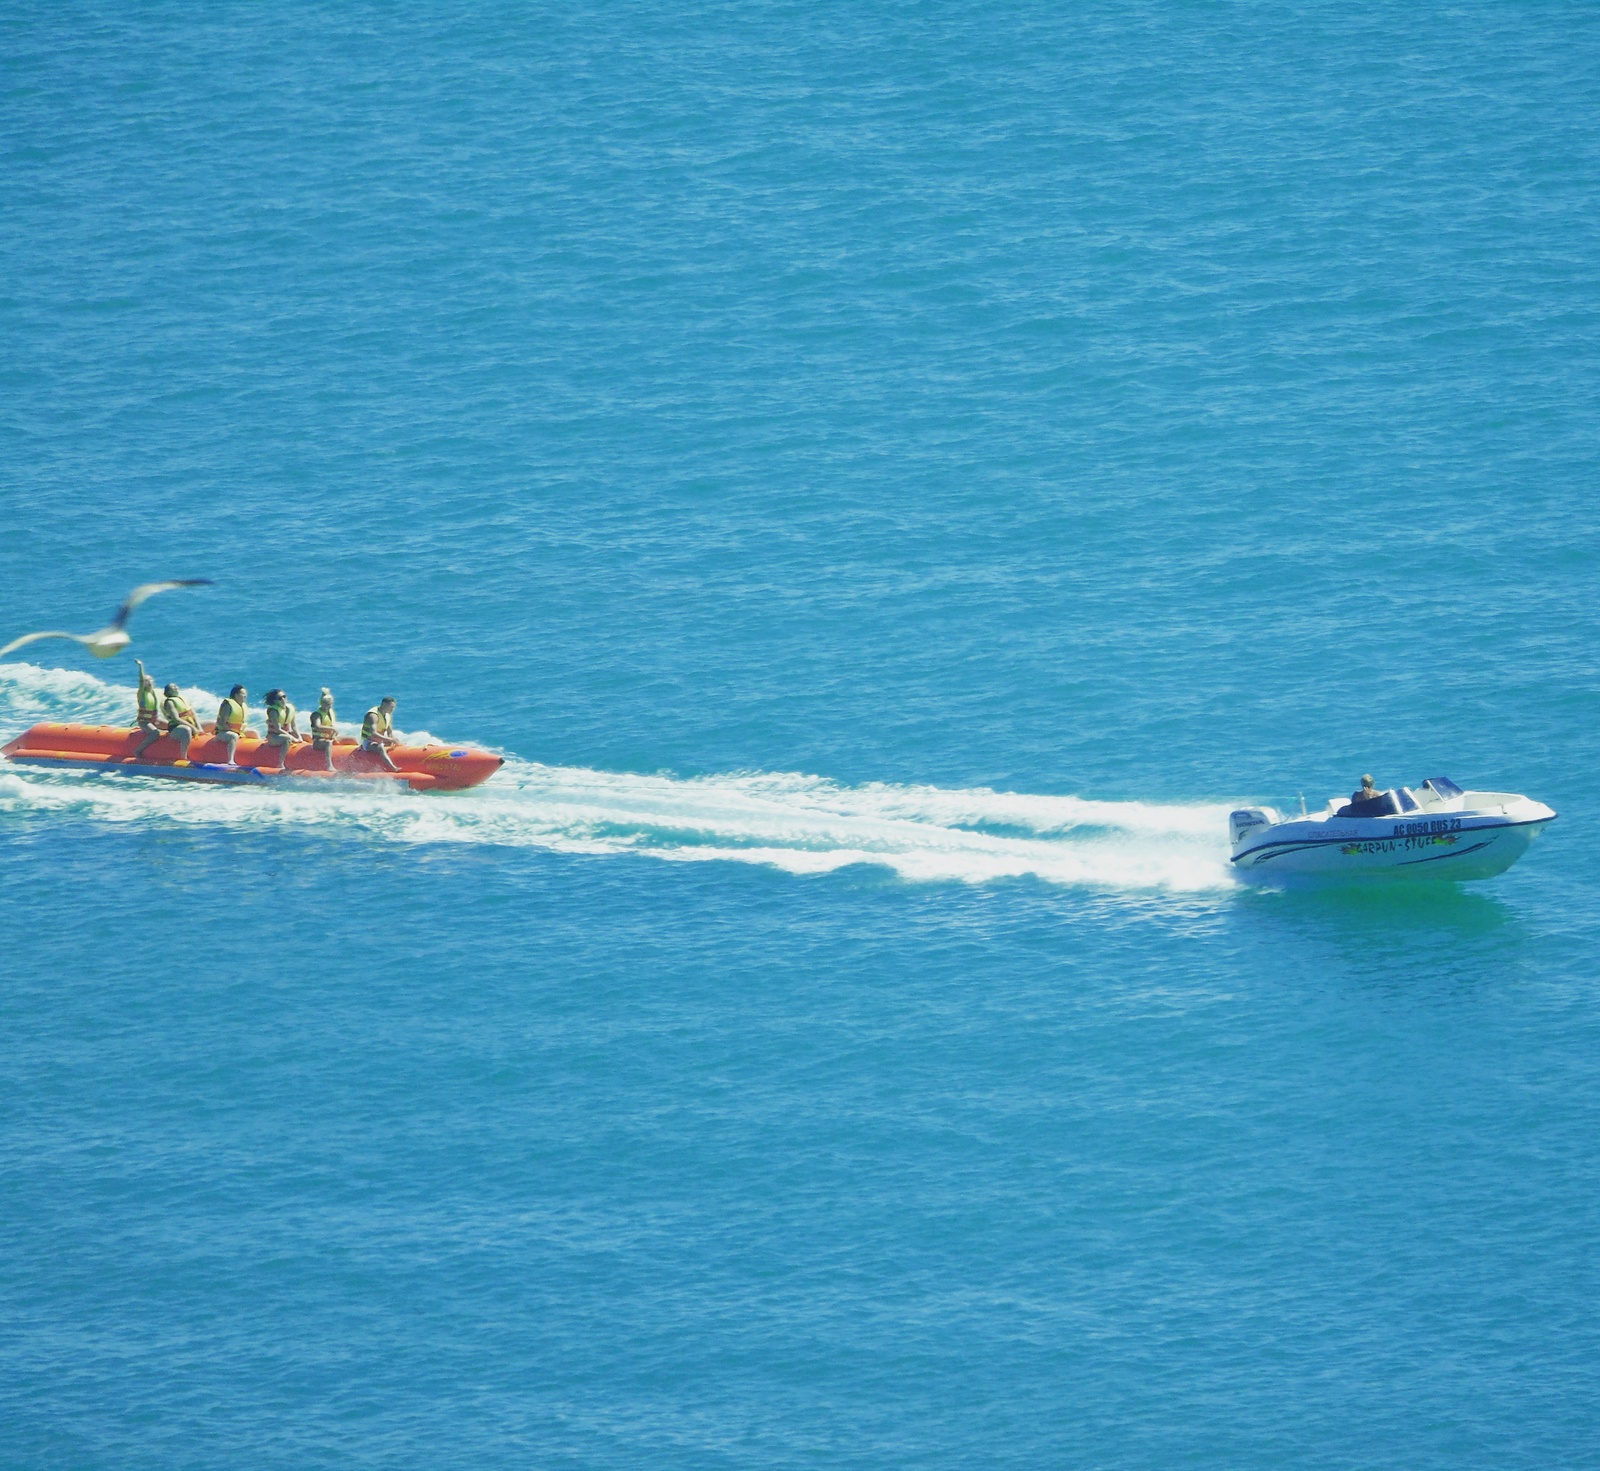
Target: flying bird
113 638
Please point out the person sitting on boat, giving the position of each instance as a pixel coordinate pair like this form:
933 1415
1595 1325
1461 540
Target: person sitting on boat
1367 801
282 729
377 731
148 712
230 720
324 729
182 722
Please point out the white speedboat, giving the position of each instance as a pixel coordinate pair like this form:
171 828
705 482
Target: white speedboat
1434 831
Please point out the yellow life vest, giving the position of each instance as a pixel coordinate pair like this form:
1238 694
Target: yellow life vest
376 723
322 723
282 714
230 717
149 703
175 707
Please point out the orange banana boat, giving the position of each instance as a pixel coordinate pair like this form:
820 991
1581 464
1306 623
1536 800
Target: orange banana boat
433 768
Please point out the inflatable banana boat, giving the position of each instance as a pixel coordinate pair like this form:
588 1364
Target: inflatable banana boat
431 768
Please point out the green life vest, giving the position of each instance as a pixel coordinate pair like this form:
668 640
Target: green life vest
175 707
149 703
230 717
376 724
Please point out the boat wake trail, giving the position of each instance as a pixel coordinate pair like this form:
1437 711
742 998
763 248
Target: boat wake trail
802 824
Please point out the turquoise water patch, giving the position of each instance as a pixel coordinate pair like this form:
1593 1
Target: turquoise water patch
889 480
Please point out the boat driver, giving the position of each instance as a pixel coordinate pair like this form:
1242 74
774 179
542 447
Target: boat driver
148 718
182 722
1367 792
377 731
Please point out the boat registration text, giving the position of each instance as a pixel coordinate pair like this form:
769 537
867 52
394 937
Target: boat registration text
1432 825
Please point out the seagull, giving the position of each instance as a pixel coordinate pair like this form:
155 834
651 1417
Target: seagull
114 638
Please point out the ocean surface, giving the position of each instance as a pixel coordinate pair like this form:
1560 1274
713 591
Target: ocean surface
889 478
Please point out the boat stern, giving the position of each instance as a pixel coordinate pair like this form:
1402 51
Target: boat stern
1246 823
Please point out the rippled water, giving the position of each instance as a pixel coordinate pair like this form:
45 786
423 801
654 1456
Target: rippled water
889 479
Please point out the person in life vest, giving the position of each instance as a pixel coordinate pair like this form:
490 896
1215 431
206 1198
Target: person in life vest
377 731
182 722
230 720
324 727
282 731
148 715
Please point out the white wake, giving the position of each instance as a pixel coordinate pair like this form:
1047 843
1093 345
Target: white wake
802 824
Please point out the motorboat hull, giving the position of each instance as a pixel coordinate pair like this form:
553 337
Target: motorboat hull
1438 832
433 768
1475 850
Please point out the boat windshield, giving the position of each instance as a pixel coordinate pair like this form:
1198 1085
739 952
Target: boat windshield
1444 787
1408 803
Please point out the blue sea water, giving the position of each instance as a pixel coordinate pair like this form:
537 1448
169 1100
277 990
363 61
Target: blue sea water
889 478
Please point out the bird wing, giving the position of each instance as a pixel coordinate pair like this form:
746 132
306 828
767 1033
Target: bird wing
29 638
149 590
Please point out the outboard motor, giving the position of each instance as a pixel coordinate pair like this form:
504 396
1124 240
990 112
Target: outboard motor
1246 820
